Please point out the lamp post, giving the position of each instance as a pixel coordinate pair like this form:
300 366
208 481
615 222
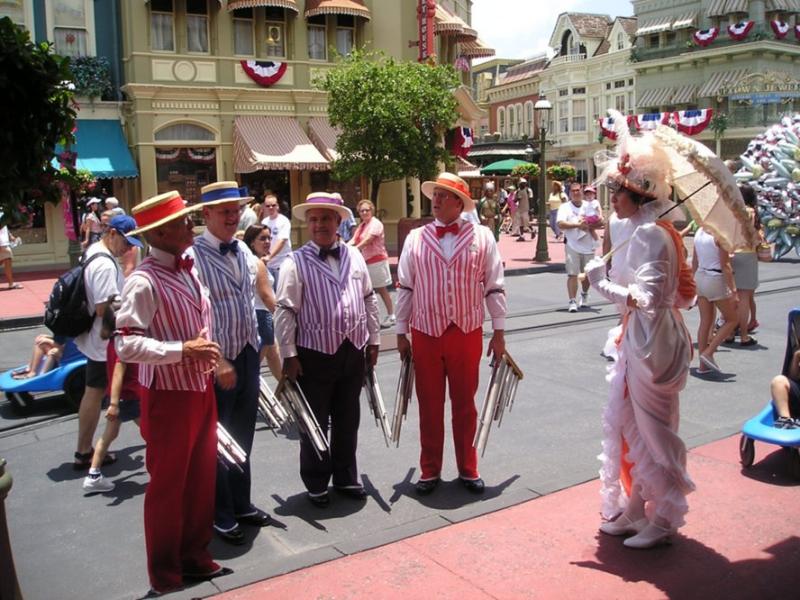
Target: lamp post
542 109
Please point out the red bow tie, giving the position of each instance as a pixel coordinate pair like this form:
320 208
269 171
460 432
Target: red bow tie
441 231
184 263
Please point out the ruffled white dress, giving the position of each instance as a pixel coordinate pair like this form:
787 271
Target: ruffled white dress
645 381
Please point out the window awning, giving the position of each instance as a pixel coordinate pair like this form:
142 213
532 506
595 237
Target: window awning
451 25
716 8
475 49
655 97
685 20
686 94
324 136
273 143
288 4
654 26
736 6
719 80
102 149
354 8
782 5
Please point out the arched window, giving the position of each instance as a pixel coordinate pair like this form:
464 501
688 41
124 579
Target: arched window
529 124
620 41
185 131
501 121
512 122
520 128
186 160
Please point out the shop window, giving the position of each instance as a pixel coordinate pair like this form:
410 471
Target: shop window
197 26
579 115
185 170
345 34
243 37
317 43
69 27
276 32
32 230
162 25
619 103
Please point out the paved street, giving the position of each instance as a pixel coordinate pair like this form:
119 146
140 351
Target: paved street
70 546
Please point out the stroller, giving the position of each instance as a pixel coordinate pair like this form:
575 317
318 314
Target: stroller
69 376
760 427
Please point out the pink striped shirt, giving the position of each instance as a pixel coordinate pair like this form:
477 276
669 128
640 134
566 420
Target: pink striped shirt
162 308
448 280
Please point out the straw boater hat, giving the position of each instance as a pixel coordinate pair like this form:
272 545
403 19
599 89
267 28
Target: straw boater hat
319 200
222 192
159 210
451 183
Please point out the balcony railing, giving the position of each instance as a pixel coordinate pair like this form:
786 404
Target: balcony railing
568 58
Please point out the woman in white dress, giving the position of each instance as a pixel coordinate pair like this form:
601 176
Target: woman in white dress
640 423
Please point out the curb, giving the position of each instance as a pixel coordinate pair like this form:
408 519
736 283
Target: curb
21 322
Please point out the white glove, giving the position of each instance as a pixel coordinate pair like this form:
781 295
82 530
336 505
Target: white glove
595 270
612 291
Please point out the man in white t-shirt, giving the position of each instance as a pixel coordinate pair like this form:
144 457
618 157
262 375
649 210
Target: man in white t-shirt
579 244
6 243
102 279
281 229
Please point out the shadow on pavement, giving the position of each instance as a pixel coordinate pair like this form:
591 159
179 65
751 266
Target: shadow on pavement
773 468
448 495
126 461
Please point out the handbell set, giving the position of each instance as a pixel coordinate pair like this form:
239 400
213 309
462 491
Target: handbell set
405 387
269 407
376 405
500 394
229 452
294 401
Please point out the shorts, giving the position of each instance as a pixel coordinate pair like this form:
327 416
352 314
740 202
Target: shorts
794 398
575 262
745 270
711 286
379 274
96 376
128 409
5 253
266 329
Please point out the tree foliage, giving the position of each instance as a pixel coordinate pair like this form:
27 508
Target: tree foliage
39 114
561 172
528 171
392 116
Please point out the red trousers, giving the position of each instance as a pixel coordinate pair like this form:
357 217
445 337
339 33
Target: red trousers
180 429
453 357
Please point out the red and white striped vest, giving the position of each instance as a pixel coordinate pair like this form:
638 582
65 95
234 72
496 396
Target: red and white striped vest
333 307
181 314
448 291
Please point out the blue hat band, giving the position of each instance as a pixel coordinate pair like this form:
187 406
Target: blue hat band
224 194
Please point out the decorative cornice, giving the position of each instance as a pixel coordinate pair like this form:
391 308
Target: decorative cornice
185 105
263 108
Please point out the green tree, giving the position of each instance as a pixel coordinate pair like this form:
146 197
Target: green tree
529 171
392 117
39 114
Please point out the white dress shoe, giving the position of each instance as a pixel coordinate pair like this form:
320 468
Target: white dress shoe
650 537
624 526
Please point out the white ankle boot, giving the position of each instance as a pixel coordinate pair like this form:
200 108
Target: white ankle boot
650 537
624 526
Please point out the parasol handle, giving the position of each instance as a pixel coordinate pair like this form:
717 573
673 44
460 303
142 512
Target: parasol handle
607 256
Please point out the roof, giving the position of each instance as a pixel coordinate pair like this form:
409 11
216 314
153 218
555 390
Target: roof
590 25
102 149
524 70
628 24
273 143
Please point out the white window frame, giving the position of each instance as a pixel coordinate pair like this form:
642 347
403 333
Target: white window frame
620 40
88 10
578 117
617 97
529 125
563 116
501 121
174 33
207 16
27 17
512 121
252 21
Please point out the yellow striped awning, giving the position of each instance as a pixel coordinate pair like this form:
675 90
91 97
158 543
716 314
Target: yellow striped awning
686 94
685 20
273 143
782 5
445 23
324 136
354 8
475 49
656 25
720 80
716 8
655 97
288 4
736 6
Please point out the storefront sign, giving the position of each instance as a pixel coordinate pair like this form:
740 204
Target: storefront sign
757 98
425 16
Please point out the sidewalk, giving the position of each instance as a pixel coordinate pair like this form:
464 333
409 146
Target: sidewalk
737 543
25 307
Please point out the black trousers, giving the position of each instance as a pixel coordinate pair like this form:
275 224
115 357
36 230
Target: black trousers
332 385
236 410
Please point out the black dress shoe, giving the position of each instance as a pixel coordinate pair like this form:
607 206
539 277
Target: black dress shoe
357 493
425 487
257 518
319 501
476 486
233 536
221 572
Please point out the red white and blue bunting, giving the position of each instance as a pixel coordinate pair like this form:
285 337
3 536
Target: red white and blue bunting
607 126
202 154
692 122
740 30
264 72
704 37
781 28
650 121
797 32
463 139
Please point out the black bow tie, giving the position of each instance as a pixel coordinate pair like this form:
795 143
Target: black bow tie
233 246
334 252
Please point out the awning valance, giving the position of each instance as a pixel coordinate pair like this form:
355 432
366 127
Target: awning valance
102 149
656 25
685 20
288 4
720 80
474 49
324 136
686 94
273 143
782 5
451 25
354 8
655 97
736 6
716 8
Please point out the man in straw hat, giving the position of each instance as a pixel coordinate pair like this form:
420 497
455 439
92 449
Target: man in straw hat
447 271
327 324
164 324
223 266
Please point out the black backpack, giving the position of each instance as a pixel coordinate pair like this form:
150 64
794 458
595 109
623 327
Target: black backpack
68 312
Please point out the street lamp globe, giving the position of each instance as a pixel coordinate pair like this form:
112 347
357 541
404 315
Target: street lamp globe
543 108
528 153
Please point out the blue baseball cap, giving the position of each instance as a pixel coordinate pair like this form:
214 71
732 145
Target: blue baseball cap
124 224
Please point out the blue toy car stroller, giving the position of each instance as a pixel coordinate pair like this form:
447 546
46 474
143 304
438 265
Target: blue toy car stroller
69 376
761 427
